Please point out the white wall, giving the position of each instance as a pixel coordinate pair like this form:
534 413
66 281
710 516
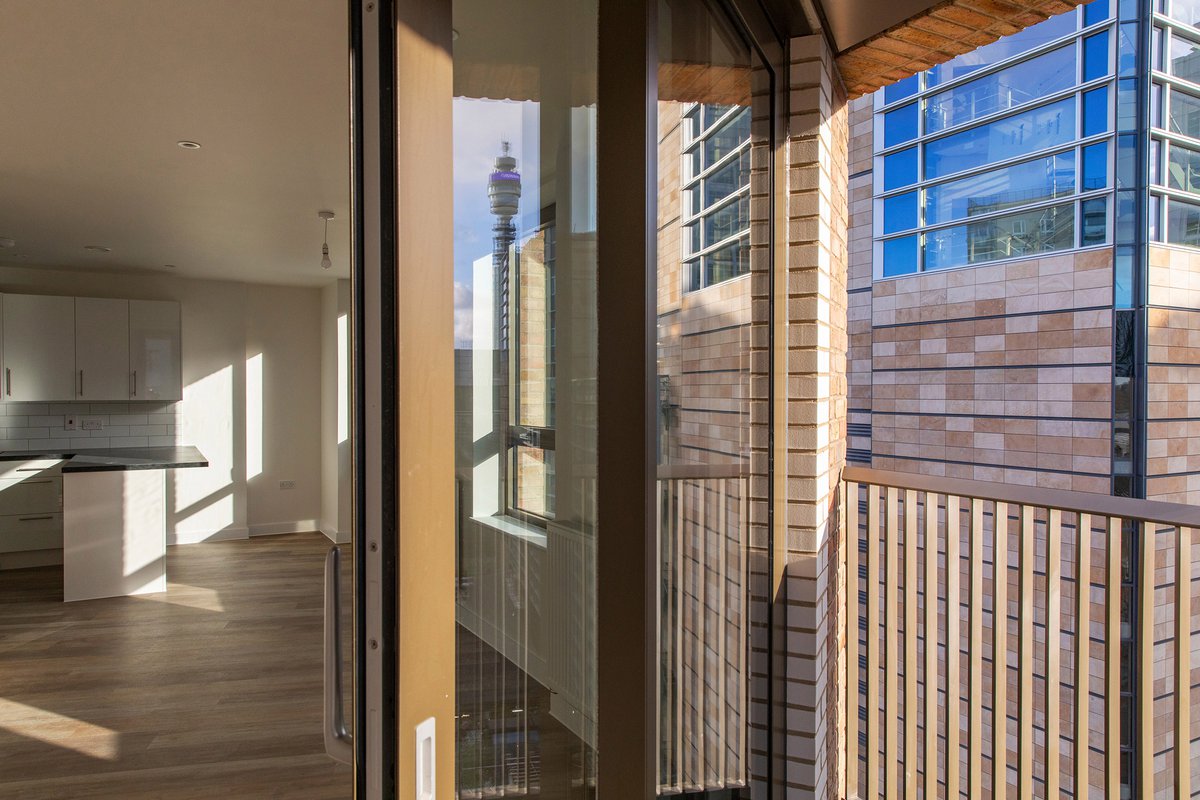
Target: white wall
336 347
225 327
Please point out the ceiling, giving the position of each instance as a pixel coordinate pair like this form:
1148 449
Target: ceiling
95 95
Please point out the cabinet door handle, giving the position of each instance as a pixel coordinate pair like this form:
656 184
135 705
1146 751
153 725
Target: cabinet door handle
135 383
81 383
34 519
8 380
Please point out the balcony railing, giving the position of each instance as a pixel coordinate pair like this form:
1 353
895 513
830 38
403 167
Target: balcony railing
929 660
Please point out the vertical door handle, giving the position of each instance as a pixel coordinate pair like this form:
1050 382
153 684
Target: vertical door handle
81 383
8 381
339 744
134 391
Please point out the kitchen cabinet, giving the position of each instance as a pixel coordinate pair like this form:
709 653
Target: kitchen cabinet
102 349
39 347
154 351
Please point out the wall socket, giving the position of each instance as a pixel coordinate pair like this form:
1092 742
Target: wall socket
287 484
70 422
93 424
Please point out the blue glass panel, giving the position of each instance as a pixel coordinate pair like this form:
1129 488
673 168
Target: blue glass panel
1183 169
1096 11
1125 216
1185 114
902 89
900 125
1013 136
1043 230
726 139
1127 47
1019 84
1095 111
900 169
1095 56
1127 97
1127 9
1156 162
1028 39
728 179
729 219
1127 153
900 256
1095 166
900 212
1021 184
1155 215
1123 277
1093 222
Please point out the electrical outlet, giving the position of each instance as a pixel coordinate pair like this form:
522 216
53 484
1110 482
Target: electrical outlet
70 422
93 424
287 484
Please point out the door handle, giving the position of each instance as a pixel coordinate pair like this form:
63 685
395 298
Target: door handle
8 380
339 743
81 383
134 392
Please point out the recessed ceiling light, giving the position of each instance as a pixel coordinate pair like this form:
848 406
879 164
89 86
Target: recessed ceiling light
188 145
5 242
97 248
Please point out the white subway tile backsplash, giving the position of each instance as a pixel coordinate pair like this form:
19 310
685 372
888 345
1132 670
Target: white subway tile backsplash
147 430
162 441
128 419
31 426
49 420
28 433
24 409
113 431
15 422
84 444
14 444
129 441
160 419
109 408
59 433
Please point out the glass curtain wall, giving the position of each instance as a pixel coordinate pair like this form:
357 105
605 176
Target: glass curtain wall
1005 152
525 364
1175 122
713 259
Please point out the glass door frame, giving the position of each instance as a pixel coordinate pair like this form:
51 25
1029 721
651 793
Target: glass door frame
403 368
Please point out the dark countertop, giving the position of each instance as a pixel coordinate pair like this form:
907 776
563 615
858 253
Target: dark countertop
116 459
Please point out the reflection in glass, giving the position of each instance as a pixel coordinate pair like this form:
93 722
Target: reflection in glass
1186 11
900 212
1095 166
1013 136
900 169
1095 111
1005 47
1028 233
1183 223
1096 11
1183 169
901 89
1185 59
1019 84
1093 222
1028 182
524 272
900 125
1185 114
1095 56
900 256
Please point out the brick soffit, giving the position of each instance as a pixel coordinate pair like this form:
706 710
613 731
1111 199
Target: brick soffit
932 37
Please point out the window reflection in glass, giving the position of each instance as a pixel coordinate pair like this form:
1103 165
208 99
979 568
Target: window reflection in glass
1021 184
1028 233
1016 85
1013 136
1095 166
900 169
1186 11
1183 223
900 256
1185 59
1093 222
901 89
1095 56
1183 169
900 212
1185 114
1096 11
900 125
1006 47
1095 111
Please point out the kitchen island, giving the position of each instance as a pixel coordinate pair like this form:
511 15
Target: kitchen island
113 514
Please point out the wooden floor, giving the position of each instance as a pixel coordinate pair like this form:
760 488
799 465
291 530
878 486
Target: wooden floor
210 690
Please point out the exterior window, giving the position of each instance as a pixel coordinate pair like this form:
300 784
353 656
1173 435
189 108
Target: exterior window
900 169
1183 223
1095 111
900 256
1095 166
900 212
1186 11
1048 126
1185 114
1009 46
1033 181
902 89
1096 11
1185 59
717 195
1096 56
900 125
1019 84
1028 233
1183 169
1093 223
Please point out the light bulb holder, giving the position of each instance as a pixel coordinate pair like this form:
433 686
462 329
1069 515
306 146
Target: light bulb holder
325 262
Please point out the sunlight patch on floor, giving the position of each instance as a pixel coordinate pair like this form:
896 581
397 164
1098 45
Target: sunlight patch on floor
59 731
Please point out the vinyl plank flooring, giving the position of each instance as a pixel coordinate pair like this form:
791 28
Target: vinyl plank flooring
209 690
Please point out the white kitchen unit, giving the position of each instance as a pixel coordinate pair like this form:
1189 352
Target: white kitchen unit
39 347
114 534
154 350
30 513
101 349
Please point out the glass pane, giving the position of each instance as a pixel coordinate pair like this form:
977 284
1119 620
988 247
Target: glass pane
1185 114
1095 111
1156 96
691 163
900 169
1127 153
1183 169
1183 223
1021 184
1155 216
1185 59
1095 56
900 256
900 125
902 89
524 272
1017 135
1027 233
900 212
1096 11
702 409
1093 222
1019 84
1186 11
1006 47
1095 166
1127 48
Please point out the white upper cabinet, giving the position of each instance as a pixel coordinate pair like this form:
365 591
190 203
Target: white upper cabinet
39 347
154 351
101 349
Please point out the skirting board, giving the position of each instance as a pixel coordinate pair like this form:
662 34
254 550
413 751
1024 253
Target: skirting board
199 537
273 528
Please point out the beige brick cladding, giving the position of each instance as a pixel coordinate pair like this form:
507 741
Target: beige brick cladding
1173 376
858 314
814 590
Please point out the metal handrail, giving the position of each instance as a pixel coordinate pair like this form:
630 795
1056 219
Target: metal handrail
1100 505
339 743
